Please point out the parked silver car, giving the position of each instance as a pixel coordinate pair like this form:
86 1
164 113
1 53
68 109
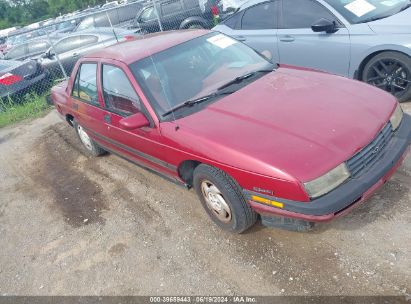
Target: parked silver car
70 48
369 40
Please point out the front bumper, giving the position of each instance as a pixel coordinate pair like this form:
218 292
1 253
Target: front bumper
348 195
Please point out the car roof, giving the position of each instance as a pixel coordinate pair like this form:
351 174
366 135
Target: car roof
144 46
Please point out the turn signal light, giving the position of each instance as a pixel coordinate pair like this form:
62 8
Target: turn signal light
263 200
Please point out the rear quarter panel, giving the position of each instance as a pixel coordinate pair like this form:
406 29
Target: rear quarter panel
61 99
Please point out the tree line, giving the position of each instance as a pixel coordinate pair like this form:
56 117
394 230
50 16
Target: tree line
24 12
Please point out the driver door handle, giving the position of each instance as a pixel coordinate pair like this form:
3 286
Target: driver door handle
75 55
287 38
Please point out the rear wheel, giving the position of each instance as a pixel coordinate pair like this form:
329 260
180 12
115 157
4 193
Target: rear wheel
89 144
390 71
222 199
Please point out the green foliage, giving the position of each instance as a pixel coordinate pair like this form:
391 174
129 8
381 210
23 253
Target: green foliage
24 12
31 106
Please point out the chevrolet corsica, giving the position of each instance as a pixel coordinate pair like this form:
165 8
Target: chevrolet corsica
291 145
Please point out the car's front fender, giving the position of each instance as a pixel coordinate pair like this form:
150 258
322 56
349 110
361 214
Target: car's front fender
360 55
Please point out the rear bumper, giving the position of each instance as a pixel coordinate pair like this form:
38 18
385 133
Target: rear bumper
352 193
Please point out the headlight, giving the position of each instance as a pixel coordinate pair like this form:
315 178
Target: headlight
396 117
327 182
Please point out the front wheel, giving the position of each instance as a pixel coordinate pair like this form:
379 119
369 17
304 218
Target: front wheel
222 199
390 71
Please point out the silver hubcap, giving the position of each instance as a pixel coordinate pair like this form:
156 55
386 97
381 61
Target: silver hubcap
215 201
195 26
85 139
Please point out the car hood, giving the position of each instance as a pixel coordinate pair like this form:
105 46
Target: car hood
396 24
291 123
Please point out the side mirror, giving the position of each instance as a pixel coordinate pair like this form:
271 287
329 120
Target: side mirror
324 25
134 121
49 54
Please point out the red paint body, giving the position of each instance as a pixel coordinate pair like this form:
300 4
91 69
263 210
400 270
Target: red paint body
288 127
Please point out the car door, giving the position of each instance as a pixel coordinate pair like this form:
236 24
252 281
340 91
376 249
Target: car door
299 45
86 101
121 100
256 26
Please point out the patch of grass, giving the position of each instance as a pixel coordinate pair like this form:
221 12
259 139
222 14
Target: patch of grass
31 106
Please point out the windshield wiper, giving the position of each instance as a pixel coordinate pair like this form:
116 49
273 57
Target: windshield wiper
191 102
219 92
243 77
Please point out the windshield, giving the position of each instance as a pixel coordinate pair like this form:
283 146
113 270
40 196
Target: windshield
194 69
358 11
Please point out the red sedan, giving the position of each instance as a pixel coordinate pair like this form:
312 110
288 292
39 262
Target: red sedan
294 146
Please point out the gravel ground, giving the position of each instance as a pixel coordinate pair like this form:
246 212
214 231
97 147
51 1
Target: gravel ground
75 225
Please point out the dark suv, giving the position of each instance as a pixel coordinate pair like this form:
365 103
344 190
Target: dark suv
173 14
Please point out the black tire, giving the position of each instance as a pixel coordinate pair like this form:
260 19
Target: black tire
92 148
390 71
242 215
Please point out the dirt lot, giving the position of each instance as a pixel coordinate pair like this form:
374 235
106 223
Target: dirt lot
74 225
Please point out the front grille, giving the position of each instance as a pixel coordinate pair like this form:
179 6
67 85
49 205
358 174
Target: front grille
369 155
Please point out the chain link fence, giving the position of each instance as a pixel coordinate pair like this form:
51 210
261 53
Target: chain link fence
33 59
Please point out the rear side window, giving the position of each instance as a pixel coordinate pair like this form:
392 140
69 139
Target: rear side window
260 17
308 12
68 44
119 95
85 84
171 7
38 46
17 52
87 40
190 4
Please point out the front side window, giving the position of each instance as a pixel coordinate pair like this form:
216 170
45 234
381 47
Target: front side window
359 11
194 69
303 13
148 14
119 95
85 84
259 17
233 21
